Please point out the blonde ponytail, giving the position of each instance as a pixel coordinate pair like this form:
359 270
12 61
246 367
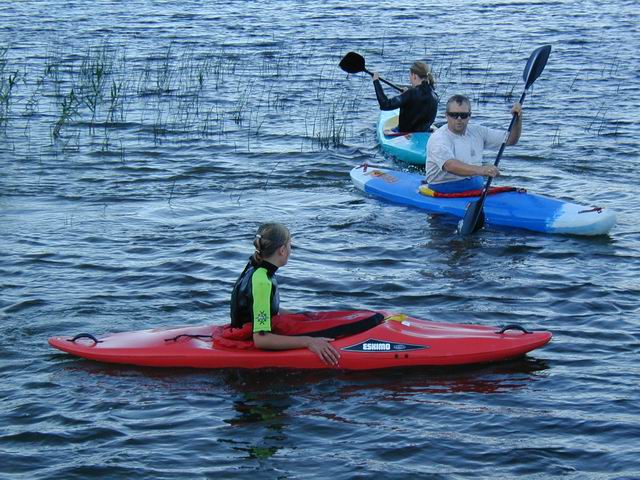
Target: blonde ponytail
431 79
423 70
269 238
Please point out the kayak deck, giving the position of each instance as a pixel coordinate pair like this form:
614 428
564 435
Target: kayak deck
410 148
511 209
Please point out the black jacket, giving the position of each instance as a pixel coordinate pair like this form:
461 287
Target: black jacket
418 106
244 301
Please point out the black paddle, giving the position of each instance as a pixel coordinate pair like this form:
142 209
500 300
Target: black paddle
354 63
474 216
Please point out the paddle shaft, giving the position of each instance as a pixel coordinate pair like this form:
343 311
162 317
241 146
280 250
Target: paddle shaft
383 80
504 144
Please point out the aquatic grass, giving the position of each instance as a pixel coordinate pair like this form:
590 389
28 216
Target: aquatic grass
195 70
213 123
605 125
555 140
173 186
481 97
159 127
32 103
71 144
612 66
52 69
95 69
108 147
615 130
144 80
575 79
101 87
266 182
241 104
222 64
277 63
8 81
254 119
164 74
512 82
329 125
598 117
116 101
159 75
68 108
181 93
6 89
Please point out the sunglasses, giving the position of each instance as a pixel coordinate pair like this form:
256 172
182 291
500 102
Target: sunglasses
462 115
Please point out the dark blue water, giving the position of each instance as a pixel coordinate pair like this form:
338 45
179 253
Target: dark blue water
142 144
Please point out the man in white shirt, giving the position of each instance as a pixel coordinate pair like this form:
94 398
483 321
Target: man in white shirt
454 151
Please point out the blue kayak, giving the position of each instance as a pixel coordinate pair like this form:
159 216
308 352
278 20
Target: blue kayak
511 209
410 148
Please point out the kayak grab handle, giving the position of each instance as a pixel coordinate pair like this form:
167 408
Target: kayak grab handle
84 335
513 326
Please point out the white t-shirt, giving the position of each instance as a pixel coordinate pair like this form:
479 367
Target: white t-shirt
445 145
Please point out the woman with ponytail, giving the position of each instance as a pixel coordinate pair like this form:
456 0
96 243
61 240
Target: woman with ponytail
418 104
255 296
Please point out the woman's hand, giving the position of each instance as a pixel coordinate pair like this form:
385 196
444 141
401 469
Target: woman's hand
318 345
323 349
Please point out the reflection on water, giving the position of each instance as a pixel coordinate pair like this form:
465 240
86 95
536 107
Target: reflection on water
265 416
274 386
264 407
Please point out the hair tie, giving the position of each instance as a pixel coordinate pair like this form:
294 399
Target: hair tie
258 247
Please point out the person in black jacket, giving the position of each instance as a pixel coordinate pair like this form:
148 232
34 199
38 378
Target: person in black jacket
255 296
418 104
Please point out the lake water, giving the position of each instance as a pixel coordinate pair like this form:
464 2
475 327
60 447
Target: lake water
143 142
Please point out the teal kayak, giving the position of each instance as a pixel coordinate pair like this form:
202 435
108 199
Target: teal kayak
410 148
517 209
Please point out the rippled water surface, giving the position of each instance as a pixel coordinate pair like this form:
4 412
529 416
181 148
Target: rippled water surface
143 142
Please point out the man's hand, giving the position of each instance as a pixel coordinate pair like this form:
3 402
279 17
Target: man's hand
489 171
516 109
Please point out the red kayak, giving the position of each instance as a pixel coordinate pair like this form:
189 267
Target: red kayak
366 340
